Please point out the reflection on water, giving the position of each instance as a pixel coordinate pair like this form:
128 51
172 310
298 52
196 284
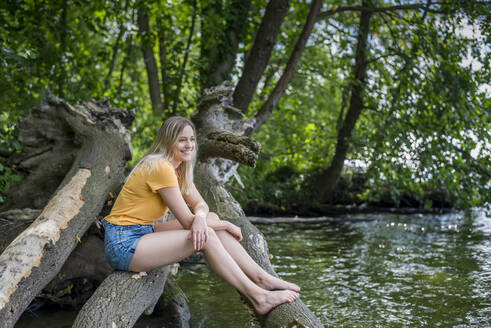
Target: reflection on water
377 270
391 270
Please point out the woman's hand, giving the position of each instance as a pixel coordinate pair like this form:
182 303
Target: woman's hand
234 231
199 232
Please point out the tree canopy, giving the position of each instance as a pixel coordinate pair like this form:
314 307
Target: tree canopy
395 90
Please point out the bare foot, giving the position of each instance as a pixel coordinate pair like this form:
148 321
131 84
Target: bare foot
270 282
271 299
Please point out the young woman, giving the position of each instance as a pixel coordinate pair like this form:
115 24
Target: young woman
163 180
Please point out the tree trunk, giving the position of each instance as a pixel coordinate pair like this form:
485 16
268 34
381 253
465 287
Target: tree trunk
87 260
219 49
122 298
290 69
38 253
149 58
260 53
216 117
328 180
172 307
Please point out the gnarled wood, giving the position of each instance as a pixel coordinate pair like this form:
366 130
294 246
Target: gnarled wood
38 253
172 307
210 177
122 298
230 146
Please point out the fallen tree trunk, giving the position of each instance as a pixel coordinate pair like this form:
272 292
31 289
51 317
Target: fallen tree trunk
13 222
215 117
101 148
172 307
121 298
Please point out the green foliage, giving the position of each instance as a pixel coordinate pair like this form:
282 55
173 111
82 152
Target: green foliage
425 129
425 126
430 132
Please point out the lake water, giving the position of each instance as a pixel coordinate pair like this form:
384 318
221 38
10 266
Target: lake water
375 270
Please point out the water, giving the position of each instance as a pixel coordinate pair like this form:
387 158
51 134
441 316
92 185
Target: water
378 270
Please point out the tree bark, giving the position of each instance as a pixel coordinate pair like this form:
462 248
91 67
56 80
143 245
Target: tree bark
290 68
260 53
328 180
149 58
211 173
122 298
38 253
173 306
230 146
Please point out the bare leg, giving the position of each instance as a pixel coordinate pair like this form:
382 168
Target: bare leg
224 265
161 248
250 267
240 255
165 247
168 225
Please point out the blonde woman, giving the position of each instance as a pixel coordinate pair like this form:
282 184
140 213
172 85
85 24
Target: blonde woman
163 180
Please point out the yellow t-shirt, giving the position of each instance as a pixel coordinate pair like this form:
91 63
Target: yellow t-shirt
139 201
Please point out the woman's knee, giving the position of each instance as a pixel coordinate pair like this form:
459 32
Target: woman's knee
212 238
213 216
211 233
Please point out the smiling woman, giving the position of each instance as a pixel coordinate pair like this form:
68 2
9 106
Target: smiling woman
184 148
163 180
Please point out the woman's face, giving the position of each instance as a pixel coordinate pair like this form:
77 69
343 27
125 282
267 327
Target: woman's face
185 146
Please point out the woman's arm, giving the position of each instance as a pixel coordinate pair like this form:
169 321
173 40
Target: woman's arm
173 199
194 199
197 224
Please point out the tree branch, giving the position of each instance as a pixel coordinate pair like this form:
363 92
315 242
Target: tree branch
290 68
329 13
227 145
260 53
149 58
186 56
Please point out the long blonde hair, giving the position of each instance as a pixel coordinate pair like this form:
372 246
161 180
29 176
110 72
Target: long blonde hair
163 147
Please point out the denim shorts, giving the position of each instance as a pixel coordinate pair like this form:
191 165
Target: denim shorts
120 242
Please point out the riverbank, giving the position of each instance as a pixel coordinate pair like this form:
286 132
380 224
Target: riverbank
286 192
264 209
